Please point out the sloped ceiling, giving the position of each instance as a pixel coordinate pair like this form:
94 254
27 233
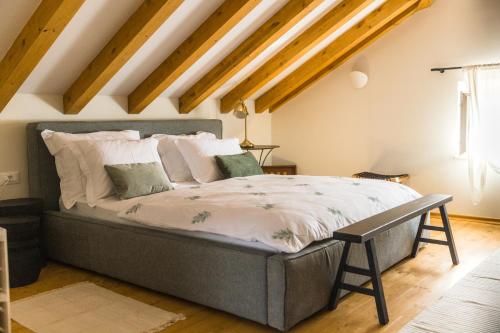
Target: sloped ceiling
97 21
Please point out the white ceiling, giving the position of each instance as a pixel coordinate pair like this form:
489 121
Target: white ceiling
98 20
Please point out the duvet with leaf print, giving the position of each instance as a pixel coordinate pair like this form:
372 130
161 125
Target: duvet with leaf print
285 212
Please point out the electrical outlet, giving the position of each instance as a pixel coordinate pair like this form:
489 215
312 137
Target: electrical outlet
12 176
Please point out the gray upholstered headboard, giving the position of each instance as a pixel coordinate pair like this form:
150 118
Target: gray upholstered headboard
43 179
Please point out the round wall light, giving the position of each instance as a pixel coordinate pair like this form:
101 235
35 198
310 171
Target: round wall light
358 79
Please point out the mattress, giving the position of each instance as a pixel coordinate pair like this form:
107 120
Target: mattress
107 209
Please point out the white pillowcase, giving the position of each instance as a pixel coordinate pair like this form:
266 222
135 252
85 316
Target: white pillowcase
173 162
72 182
94 155
199 155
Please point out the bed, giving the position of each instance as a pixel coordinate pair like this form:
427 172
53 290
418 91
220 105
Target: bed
248 279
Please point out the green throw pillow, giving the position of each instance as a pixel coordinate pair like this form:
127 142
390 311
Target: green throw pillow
137 179
240 165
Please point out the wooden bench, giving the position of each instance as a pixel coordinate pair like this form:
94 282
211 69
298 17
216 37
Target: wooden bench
363 232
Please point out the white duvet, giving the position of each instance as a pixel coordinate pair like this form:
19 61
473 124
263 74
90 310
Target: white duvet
285 212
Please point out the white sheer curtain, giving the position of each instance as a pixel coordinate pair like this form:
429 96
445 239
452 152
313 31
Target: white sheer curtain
483 125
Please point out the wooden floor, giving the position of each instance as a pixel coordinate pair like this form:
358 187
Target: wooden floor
409 288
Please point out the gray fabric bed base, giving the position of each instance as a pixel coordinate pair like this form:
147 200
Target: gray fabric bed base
278 290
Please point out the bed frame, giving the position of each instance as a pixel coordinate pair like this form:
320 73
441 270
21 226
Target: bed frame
275 289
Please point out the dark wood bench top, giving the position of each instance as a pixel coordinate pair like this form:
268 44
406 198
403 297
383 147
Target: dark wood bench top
368 228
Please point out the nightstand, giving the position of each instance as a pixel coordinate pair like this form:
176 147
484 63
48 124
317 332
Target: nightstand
21 219
280 169
263 153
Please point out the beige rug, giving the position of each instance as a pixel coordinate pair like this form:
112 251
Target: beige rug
85 307
470 306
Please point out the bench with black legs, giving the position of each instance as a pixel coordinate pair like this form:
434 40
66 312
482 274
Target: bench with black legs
364 232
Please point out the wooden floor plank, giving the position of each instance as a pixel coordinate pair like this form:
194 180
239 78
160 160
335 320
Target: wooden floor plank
409 287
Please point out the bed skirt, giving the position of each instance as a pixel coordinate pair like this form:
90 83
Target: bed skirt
278 290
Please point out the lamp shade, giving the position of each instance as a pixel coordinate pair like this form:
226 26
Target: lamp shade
240 110
358 79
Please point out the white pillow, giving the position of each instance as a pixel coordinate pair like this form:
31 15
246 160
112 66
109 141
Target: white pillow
173 162
72 182
199 155
94 155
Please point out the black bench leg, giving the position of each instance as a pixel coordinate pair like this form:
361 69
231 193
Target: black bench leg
339 279
449 235
373 272
414 251
378 290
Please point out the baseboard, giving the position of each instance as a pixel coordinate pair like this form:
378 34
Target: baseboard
469 218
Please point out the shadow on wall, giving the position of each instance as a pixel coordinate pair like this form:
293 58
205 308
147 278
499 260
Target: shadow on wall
403 161
53 101
13 136
118 105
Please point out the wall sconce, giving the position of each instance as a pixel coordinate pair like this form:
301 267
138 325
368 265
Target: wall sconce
358 79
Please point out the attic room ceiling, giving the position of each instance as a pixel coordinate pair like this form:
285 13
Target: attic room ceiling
240 45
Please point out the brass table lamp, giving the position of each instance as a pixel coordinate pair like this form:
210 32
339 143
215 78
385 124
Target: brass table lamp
241 112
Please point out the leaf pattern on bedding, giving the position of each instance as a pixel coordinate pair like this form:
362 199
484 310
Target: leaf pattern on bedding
201 217
283 234
194 197
355 183
266 206
335 212
377 202
318 193
249 186
133 209
259 193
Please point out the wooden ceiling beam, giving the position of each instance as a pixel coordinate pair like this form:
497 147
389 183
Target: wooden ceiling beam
131 36
208 33
306 73
37 36
358 48
263 37
324 27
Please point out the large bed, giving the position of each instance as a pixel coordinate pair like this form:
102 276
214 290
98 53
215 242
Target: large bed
248 279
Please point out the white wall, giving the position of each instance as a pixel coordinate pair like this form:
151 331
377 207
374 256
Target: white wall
25 108
406 119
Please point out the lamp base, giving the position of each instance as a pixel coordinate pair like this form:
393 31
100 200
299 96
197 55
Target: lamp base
246 144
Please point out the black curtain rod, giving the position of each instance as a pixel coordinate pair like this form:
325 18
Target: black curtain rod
443 69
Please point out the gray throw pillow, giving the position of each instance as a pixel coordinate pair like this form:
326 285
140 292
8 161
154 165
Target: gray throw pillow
137 179
239 165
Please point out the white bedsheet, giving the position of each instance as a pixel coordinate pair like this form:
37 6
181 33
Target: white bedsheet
284 212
